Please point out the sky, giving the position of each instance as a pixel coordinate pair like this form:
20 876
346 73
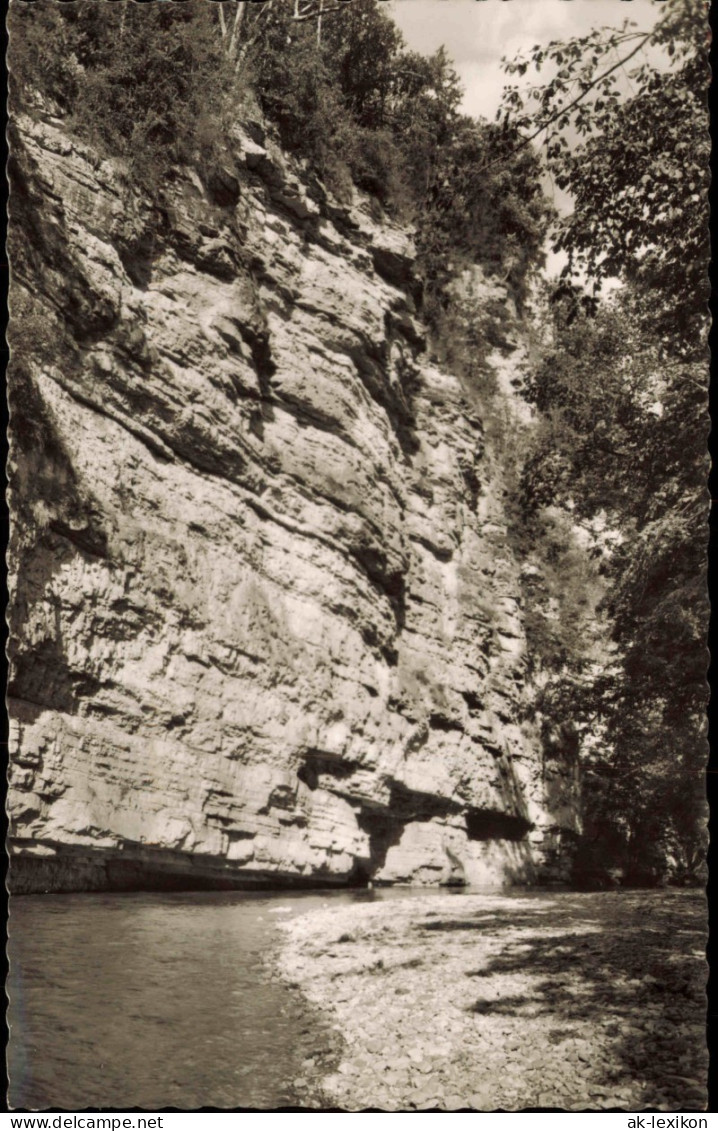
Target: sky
478 33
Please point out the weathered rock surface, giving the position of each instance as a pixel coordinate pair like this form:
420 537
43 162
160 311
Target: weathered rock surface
265 619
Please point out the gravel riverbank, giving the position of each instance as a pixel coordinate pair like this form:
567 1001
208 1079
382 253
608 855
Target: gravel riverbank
550 1000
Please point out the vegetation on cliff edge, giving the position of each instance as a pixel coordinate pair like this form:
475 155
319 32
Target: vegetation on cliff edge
159 85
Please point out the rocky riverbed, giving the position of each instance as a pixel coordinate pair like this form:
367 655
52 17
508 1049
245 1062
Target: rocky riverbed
542 1000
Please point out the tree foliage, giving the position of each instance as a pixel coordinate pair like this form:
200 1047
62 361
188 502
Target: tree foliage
624 128
620 442
359 99
146 82
621 392
160 83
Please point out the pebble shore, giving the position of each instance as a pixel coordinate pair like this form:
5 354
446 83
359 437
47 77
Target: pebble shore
506 1002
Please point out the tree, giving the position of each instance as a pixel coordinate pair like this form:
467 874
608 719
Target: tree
621 389
638 176
363 48
483 204
618 442
245 26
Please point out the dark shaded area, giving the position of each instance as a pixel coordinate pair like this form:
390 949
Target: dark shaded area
409 805
43 472
646 978
439 721
385 826
319 762
45 677
384 831
39 251
482 824
390 581
472 700
90 541
259 343
372 361
137 253
223 187
148 872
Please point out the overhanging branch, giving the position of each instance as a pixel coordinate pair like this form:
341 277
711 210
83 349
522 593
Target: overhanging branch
562 110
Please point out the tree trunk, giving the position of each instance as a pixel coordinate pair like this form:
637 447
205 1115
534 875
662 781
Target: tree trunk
233 43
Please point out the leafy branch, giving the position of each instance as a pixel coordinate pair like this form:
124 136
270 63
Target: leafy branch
596 83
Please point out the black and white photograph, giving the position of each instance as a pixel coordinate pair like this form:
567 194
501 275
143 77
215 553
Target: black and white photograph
358 612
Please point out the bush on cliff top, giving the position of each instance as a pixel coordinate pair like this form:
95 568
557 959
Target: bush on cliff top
356 98
144 82
158 84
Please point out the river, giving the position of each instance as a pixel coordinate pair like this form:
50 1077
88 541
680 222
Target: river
166 1000
156 1000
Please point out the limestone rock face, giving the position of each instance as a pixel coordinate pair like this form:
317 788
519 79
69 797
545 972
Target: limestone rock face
265 619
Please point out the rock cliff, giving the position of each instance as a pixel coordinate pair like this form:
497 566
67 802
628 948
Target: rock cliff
265 621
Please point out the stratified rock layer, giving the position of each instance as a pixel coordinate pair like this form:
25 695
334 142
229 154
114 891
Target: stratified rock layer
266 623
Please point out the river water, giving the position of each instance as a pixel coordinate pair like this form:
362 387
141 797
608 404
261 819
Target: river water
156 1000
